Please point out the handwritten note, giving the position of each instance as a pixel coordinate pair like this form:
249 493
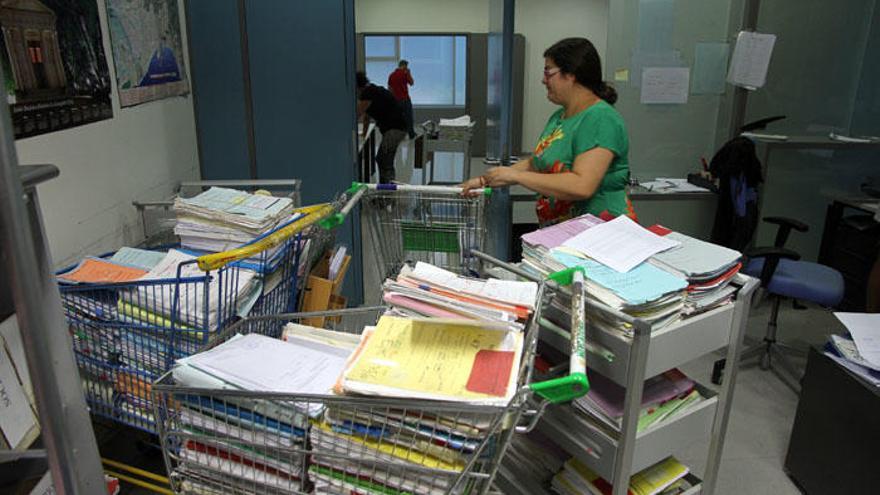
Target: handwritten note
430 359
665 85
751 59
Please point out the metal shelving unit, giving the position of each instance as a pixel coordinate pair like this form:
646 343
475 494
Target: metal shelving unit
70 450
617 456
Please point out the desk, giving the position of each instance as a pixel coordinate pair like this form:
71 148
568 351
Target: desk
850 245
833 446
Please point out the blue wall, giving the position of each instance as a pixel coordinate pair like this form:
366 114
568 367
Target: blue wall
301 71
218 88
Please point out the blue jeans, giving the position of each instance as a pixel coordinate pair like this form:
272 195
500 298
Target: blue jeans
408 116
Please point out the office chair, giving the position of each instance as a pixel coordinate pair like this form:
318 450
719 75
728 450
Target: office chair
783 275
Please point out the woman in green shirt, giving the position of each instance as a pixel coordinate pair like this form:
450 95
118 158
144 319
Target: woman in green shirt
580 163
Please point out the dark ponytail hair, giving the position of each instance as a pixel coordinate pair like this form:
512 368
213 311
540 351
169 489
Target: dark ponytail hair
577 56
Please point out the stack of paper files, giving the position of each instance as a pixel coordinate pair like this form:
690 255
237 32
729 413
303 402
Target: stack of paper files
534 456
645 291
155 303
221 219
663 478
382 450
429 291
451 360
707 267
229 425
859 351
663 397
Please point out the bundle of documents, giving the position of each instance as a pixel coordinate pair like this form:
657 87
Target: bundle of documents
221 219
644 291
859 351
449 360
155 303
308 361
534 456
663 397
663 478
708 268
429 291
459 128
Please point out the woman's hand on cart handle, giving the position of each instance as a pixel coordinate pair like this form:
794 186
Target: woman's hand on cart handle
473 186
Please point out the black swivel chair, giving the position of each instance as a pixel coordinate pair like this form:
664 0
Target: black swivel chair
783 275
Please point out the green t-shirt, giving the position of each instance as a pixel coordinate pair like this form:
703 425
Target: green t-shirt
563 140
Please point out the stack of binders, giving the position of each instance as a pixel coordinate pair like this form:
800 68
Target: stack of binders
708 269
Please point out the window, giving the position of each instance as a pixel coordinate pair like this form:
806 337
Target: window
437 62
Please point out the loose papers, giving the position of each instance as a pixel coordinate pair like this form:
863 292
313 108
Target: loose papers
620 244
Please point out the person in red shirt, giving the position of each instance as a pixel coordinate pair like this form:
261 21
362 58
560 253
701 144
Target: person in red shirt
398 83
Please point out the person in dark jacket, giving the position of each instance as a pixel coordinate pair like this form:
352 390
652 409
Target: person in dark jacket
379 104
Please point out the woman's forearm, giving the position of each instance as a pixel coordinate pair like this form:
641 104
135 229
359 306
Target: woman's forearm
566 186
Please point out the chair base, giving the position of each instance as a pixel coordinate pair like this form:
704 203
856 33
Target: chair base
772 354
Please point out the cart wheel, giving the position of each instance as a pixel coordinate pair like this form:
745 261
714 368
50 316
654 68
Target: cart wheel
718 371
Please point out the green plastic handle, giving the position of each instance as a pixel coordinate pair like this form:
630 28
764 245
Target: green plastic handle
332 221
563 389
574 385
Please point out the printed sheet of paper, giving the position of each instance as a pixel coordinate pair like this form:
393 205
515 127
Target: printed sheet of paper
620 244
665 85
751 59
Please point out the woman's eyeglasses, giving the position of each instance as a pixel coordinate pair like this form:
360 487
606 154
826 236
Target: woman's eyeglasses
551 72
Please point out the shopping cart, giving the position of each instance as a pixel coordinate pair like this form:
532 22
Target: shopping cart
158 219
435 224
236 441
125 335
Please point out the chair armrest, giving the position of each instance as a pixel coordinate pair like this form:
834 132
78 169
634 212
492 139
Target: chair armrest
772 252
771 256
791 222
785 226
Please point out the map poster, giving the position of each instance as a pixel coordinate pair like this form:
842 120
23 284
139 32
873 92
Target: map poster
147 50
54 70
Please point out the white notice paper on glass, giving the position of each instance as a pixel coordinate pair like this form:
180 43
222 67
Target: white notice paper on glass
664 85
620 244
751 58
865 331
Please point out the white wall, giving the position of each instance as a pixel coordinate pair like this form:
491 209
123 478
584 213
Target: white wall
421 16
139 154
541 22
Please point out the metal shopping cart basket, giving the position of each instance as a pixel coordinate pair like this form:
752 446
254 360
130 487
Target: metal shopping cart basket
435 224
125 335
158 219
242 442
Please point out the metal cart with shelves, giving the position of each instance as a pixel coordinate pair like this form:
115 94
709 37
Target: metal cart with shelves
616 456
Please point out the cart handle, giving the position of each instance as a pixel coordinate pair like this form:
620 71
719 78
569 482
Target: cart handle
354 194
575 384
313 214
486 191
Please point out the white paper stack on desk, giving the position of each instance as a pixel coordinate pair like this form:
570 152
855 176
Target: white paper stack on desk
708 268
429 291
